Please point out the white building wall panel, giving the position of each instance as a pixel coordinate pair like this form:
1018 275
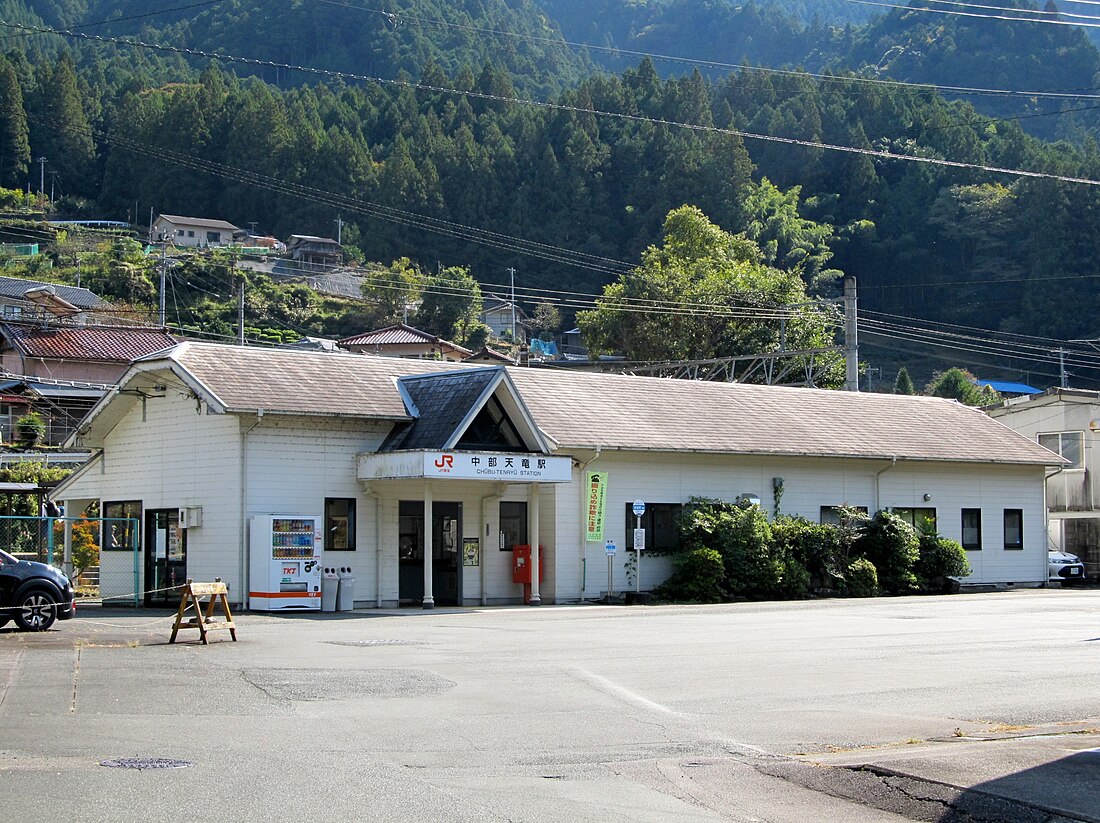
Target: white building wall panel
293 464
171 454
808 485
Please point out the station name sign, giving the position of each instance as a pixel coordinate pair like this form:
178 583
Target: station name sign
514 468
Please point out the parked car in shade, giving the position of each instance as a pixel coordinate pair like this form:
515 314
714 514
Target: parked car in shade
1064 567
34 595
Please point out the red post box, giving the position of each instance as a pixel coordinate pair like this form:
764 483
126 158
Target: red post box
521 568
521 564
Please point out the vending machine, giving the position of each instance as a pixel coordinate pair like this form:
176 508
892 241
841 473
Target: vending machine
285 562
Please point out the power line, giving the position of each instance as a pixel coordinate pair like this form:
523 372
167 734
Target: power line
563 107
730 67
971 14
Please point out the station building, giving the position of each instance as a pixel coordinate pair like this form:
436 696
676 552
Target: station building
425 475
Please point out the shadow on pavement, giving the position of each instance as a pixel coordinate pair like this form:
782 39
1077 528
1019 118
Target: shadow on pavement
1067 788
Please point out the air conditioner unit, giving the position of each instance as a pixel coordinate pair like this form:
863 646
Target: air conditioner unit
190 517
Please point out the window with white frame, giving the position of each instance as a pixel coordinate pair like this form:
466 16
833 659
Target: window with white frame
1067 444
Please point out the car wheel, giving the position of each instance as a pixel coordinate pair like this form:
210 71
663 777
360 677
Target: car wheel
37 611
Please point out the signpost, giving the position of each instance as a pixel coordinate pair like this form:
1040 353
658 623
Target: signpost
610 548
639 542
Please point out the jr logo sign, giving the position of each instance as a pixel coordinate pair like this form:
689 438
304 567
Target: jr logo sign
445 462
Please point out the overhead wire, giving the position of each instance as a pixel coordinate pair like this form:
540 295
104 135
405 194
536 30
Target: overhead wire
730 67
954 13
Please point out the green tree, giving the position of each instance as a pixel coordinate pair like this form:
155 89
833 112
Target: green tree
546 320
450 304
787 239
959 384
15 150
698 296
903 384
395 288
61 133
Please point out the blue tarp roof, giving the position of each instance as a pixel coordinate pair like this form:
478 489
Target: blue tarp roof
1004 387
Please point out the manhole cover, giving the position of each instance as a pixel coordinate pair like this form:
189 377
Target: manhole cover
374 643
146 763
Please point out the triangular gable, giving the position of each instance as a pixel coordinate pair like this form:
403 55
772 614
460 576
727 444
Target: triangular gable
476 409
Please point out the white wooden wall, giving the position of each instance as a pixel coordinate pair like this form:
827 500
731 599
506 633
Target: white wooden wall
176 455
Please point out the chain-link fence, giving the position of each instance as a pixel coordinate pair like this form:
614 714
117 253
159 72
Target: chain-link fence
100 554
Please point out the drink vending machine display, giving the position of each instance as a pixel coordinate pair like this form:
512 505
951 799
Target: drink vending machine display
285 562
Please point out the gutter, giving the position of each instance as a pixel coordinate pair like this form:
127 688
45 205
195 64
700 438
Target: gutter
878 477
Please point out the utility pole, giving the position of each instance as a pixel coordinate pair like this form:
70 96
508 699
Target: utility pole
42 175
512 272
163 277
339 230
1063 378
240 311
53 179
851 336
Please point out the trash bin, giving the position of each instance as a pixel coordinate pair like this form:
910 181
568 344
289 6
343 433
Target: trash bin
330 586
346 599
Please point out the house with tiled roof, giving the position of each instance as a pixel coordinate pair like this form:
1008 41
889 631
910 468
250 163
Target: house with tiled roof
193 232
401 340
90 354
21 299
442 483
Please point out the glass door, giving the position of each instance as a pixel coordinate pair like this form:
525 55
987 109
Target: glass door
165 557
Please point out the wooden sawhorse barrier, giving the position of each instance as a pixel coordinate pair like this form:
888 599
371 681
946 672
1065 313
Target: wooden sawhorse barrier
204 621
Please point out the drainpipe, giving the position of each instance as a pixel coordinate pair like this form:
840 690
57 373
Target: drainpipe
878 476
242 502
486 502
378 557
584 516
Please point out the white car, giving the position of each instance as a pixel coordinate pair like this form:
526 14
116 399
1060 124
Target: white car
1064 568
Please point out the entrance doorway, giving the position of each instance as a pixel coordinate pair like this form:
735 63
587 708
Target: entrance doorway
446 544
165 557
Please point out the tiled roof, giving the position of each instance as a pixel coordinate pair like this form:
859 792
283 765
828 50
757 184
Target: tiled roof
618 412
286 381
104 343
399 335
202 222
14 287
635 413
442 401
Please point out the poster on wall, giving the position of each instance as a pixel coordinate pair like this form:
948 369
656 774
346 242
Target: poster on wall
471 551
596 489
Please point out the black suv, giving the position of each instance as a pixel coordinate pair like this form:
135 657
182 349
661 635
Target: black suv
33 594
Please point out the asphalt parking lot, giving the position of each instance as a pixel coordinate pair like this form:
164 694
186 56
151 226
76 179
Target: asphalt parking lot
970 707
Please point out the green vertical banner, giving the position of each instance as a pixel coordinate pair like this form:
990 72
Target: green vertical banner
596 491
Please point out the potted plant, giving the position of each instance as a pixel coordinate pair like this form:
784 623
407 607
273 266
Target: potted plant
30 429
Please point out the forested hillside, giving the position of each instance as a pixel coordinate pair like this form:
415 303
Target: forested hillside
505 153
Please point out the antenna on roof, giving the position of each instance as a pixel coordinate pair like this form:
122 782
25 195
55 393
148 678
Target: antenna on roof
46 297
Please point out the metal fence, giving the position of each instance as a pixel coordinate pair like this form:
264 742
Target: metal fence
99 553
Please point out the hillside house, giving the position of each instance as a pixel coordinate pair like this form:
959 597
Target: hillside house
193 232
400 340
311 252
427 478
497 314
